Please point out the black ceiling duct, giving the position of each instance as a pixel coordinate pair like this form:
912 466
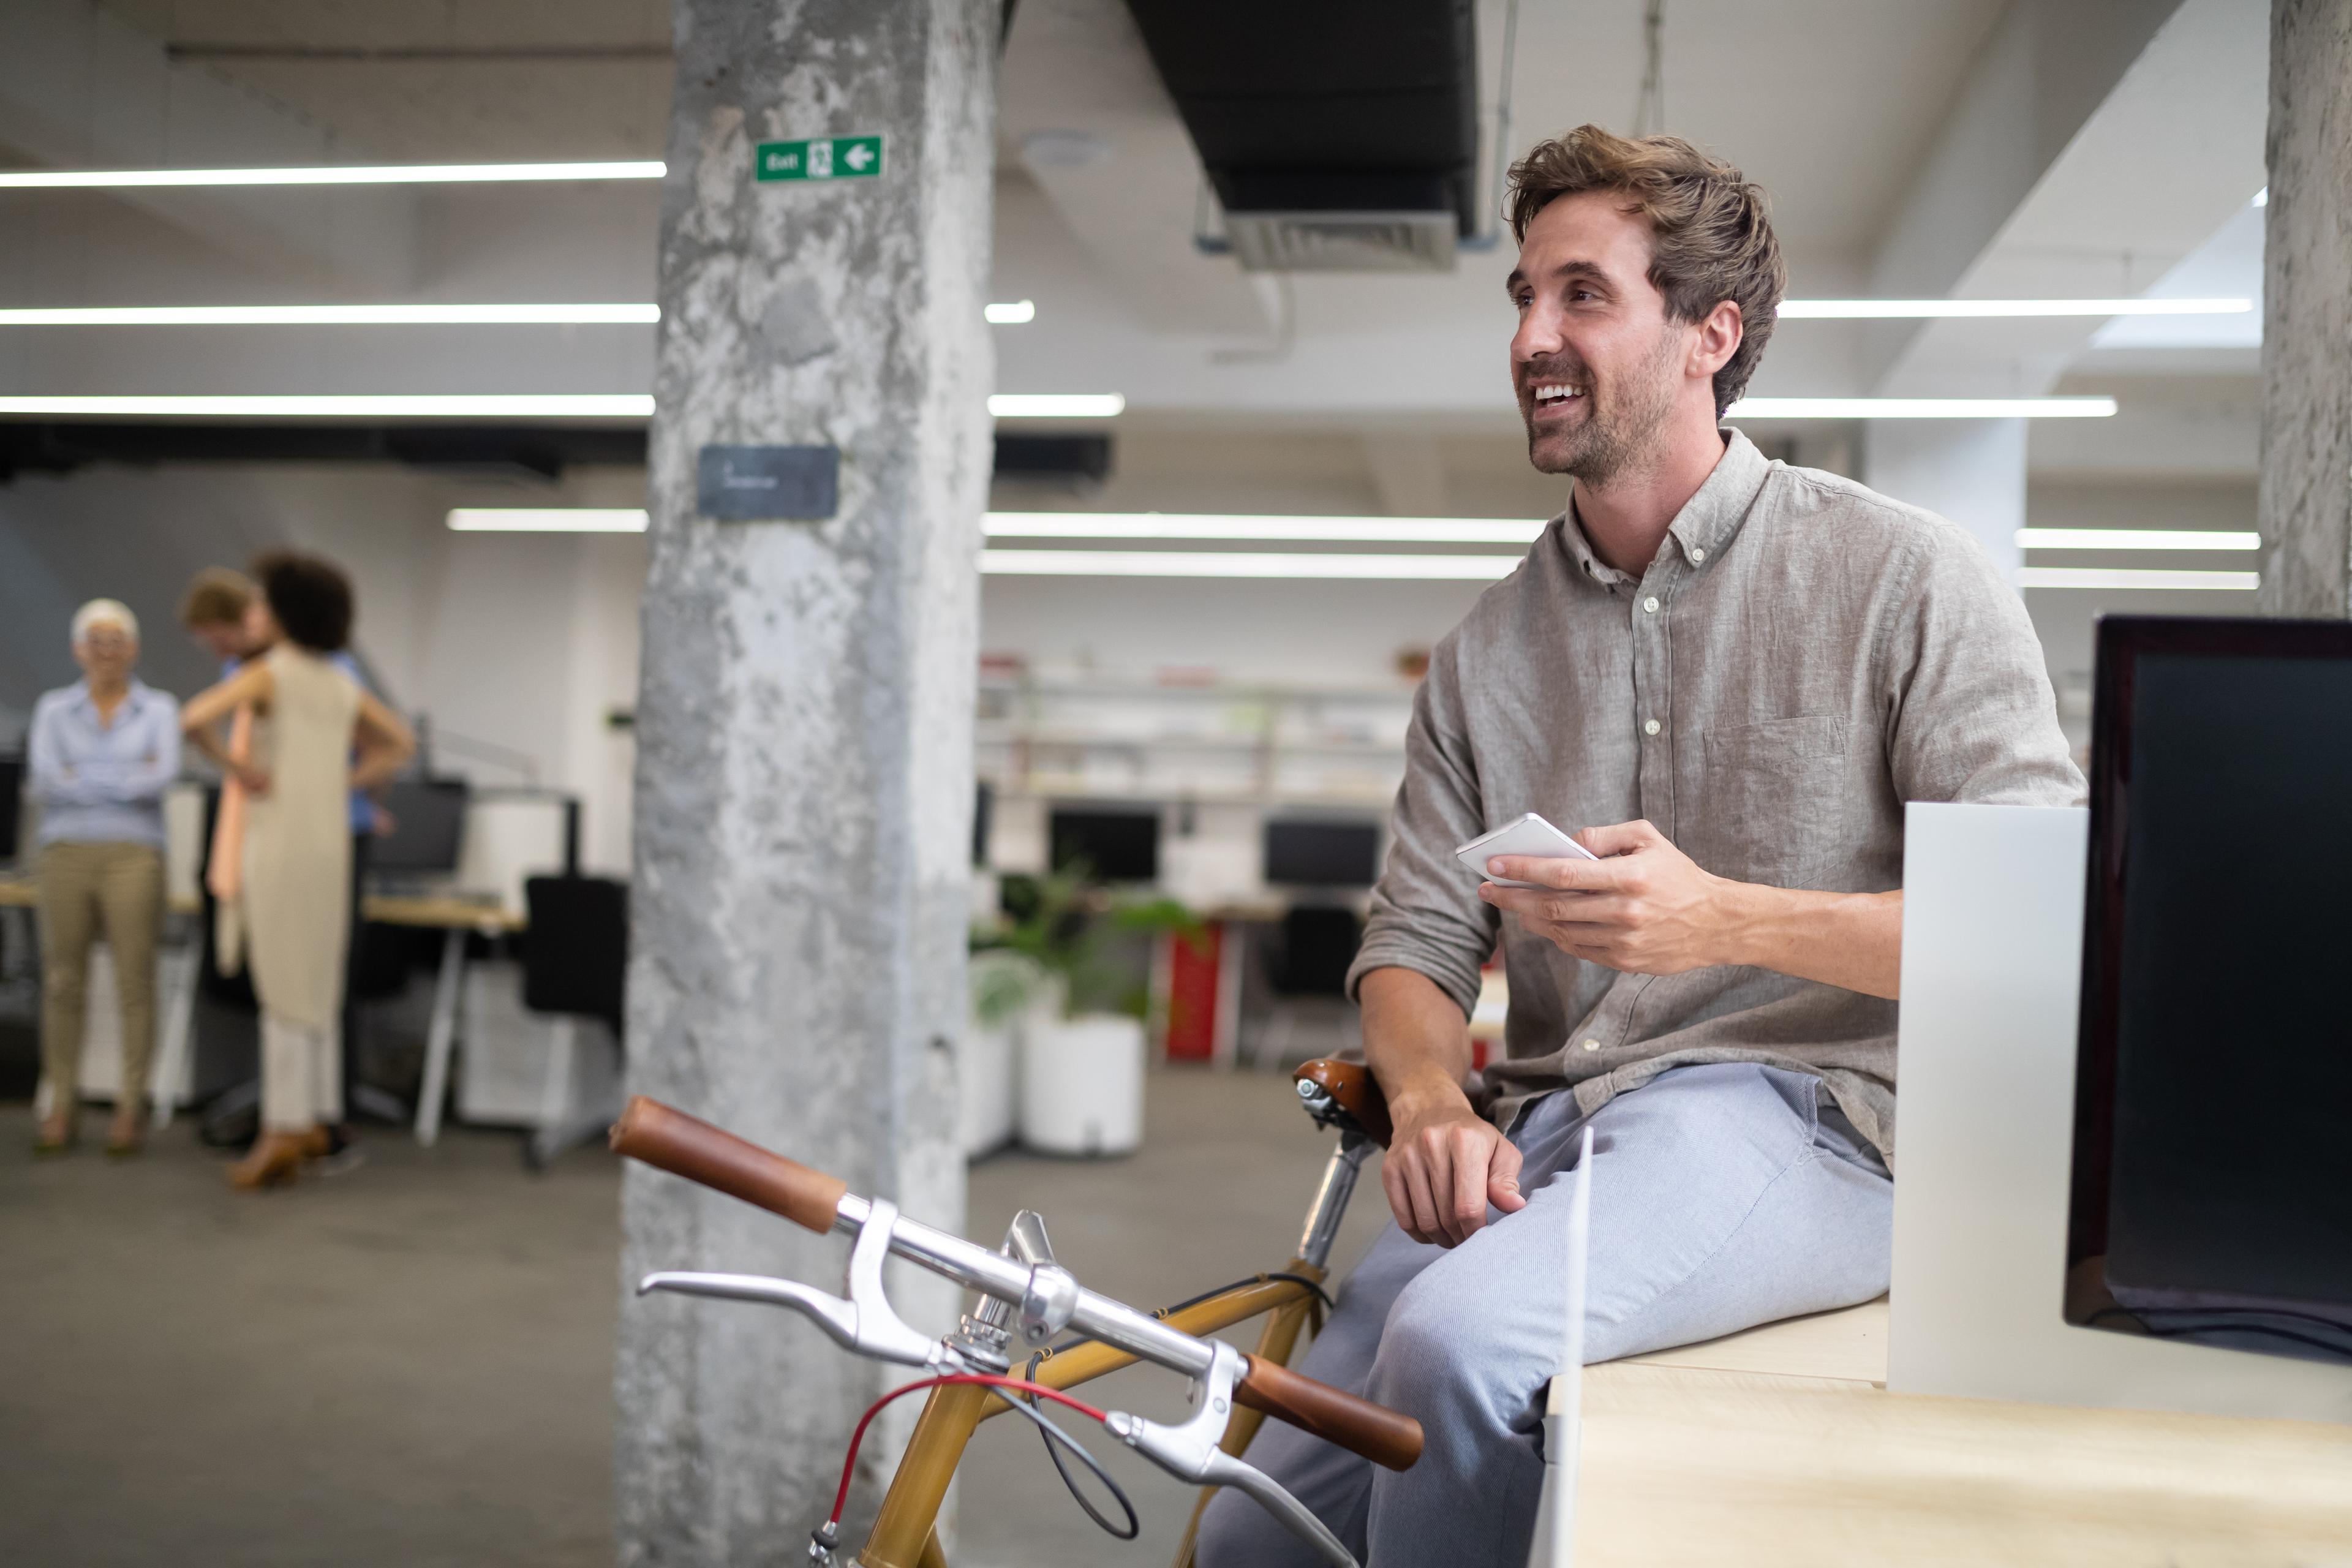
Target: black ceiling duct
1339 134
461 451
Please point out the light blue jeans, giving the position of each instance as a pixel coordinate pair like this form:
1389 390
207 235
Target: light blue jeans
1723 1196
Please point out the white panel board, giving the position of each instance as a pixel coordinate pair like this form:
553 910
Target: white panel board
1992 939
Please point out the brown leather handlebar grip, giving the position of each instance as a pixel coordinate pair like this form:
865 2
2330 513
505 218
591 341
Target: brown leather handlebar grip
687 1146
1358 1426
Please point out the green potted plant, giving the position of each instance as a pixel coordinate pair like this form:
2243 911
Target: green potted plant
1060 972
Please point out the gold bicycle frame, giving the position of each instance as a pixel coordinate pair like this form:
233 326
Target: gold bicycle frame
905 1534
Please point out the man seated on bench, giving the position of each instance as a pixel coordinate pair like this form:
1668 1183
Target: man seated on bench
1731 674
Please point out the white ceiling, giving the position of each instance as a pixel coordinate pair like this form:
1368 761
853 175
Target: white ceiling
503 103
1835 106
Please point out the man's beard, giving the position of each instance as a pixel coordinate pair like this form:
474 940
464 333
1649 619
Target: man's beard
1620 436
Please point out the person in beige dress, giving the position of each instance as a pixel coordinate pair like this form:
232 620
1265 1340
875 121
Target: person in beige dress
294 866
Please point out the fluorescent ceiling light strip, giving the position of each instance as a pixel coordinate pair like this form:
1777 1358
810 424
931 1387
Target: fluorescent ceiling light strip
1057 404
1012 315
331 175
1225 563
1878 308
2136 539
324 315
449 405
2103 577
1218 525
1923 408
547 519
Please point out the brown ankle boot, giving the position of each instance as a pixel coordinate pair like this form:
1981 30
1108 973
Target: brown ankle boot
276 1157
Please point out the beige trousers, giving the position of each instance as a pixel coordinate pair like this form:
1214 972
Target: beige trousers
91 890
301 1074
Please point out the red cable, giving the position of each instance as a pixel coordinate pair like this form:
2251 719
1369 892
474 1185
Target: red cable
984 1379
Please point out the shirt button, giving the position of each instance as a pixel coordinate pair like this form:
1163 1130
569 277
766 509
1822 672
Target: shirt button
1651 727
1593 1045
1697 554
1651 605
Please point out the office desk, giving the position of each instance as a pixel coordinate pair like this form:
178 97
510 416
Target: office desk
1780 1445
457 918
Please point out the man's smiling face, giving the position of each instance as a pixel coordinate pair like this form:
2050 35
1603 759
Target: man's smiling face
1596 360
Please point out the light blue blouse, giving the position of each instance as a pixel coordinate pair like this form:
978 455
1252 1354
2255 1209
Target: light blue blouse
102 782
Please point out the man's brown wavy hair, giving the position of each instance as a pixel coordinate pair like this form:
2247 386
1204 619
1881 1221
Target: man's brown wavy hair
1713 238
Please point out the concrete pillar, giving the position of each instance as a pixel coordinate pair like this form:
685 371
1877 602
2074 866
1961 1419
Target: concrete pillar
803 790
2306 490
1969 470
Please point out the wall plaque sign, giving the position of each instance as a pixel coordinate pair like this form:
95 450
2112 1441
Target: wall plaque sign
768 484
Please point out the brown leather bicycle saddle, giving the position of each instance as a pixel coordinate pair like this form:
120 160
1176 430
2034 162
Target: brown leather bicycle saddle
1345 1095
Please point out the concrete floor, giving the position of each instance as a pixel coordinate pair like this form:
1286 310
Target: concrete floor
411 1363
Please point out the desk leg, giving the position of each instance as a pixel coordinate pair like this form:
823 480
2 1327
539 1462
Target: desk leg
1226 1041
442 1038
555 1092
179 1030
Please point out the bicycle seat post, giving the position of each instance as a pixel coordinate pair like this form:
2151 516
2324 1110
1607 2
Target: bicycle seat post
1331 1205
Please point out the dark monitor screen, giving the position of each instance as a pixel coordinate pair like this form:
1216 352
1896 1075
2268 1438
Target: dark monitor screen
1311 854
12 803
1116 846
428 826
2213 1183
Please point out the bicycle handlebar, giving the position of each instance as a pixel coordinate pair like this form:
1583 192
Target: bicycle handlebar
687 1146
690 1147
1374 1431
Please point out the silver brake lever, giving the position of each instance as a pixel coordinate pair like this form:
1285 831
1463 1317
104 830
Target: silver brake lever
865 1322
1190 1453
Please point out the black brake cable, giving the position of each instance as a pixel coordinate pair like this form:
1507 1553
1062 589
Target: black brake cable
1285 1275
1053 1434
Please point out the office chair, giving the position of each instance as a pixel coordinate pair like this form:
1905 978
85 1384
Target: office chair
1308 972
575 960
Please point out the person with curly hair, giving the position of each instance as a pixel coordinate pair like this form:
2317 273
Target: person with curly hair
317 735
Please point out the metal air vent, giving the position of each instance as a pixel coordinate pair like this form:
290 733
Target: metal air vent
1338 135
1342 241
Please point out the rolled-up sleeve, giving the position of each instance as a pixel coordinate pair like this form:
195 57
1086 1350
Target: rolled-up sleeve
1971 714
1426 915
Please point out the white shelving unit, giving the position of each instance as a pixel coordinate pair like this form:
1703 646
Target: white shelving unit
1102 739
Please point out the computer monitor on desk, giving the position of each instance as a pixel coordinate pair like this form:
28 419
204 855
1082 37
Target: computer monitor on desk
1113 846
2213 1167
428 830
1310 852
12 803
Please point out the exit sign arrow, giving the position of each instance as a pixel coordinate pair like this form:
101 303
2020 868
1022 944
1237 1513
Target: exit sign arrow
819 158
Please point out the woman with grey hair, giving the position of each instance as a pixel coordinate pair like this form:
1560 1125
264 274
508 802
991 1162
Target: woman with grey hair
101 753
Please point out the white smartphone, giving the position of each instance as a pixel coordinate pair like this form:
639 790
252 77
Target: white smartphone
1531 836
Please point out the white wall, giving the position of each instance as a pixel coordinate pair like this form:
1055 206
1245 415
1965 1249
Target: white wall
2067 617
524 641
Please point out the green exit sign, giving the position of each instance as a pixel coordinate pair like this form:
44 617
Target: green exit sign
824 158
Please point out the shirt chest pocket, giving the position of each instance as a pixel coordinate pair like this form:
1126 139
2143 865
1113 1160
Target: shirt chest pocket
1773 796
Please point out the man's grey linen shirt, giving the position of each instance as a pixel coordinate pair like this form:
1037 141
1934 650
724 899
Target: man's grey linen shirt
1803 658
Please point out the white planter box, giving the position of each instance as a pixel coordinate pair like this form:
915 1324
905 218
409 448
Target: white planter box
1082 1085
986 1070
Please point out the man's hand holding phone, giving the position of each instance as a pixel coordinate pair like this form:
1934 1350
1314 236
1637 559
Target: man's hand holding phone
1642 906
